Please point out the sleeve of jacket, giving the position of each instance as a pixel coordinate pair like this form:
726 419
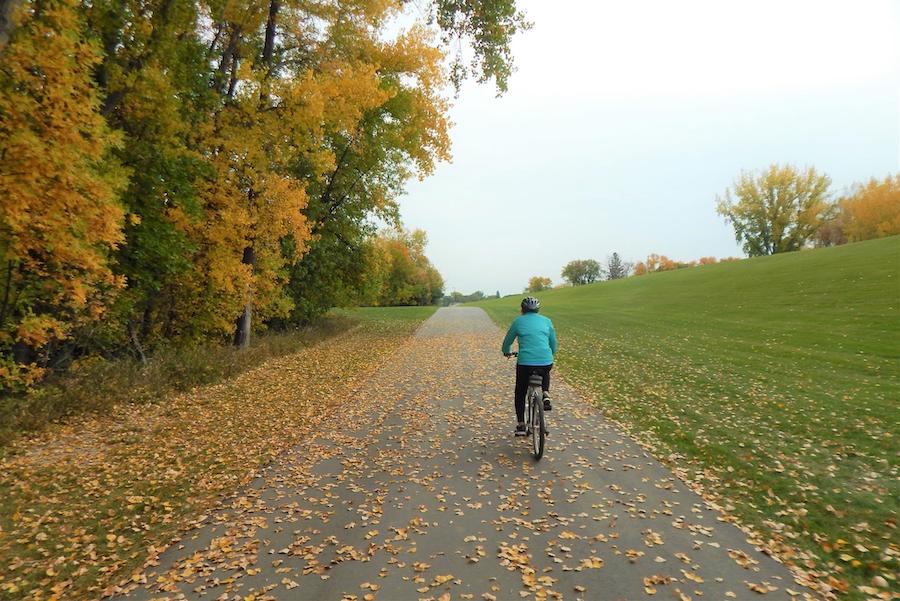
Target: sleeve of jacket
552 339
508 339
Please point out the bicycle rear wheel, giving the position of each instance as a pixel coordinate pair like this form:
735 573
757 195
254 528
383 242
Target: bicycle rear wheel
536 424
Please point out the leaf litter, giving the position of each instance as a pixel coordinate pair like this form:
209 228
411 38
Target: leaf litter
444 460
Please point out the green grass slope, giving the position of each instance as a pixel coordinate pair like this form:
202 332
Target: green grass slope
776 378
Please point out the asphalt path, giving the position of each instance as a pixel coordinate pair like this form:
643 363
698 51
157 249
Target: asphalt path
417 489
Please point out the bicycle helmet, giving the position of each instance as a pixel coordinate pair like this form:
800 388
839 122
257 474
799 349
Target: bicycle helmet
531 304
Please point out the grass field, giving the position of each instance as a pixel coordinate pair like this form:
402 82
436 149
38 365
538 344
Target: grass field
388 316
84 502
775 380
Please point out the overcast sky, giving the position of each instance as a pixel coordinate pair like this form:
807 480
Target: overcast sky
626 119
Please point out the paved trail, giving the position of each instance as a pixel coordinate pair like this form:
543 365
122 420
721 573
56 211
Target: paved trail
418 490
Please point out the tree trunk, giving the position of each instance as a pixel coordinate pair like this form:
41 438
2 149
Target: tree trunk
222 78
135 341
269 45
7 11
244 322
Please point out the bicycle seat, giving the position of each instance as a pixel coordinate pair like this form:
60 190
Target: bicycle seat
535 380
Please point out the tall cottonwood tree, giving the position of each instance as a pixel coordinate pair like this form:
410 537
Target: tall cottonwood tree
776 210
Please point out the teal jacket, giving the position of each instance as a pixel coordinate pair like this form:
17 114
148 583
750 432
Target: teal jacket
537 339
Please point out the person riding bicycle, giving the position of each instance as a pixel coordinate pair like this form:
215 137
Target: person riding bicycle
537 346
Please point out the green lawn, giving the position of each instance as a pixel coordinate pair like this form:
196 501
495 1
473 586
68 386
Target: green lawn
780 376
389 314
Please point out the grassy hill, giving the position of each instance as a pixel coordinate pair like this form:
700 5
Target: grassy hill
776 378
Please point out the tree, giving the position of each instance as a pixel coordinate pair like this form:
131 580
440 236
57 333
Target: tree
581 272
538 283
60 219
616 268
872 210
776 210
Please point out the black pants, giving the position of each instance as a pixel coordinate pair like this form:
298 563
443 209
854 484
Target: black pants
523 373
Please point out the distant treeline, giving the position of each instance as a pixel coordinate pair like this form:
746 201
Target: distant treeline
458 297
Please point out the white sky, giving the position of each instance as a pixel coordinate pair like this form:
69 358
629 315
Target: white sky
625 120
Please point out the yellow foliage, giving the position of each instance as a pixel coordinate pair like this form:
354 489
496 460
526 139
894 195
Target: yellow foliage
307 98
60 217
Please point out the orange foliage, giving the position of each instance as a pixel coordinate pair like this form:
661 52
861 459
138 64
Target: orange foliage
873 211
657 262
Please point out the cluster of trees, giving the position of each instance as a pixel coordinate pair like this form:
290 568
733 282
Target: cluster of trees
397 272
783 209
180 171
458 297
587 271
539 283
584 271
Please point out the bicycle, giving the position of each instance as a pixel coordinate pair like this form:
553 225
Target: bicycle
535 427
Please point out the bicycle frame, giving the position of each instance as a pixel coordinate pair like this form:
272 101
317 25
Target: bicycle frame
534 413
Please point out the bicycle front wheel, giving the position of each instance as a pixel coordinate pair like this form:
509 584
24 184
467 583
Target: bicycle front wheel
537 425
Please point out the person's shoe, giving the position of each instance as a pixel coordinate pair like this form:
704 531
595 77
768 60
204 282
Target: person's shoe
520 430
547 405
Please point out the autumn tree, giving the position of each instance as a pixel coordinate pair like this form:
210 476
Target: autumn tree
401 138
616 268
872 210
776 210
60 218
157 95
581 272
538 283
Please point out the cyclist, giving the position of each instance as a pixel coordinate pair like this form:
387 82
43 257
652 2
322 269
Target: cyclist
537 346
